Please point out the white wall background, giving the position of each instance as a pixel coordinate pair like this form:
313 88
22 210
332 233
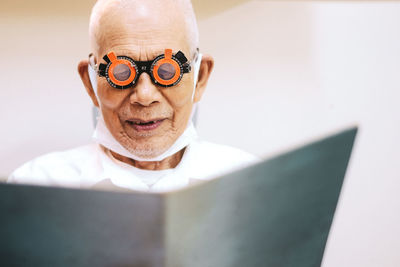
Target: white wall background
285 73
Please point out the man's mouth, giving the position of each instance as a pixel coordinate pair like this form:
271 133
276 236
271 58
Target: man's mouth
142 125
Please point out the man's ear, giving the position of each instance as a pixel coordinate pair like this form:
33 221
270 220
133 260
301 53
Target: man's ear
206 67
84 73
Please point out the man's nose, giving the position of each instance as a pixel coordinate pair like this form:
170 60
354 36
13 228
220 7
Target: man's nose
145 92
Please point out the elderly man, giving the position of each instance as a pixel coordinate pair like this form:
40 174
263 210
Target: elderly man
145 75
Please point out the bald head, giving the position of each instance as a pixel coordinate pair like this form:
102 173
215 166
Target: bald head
140 17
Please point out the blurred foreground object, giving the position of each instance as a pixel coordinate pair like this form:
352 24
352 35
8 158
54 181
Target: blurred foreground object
275 213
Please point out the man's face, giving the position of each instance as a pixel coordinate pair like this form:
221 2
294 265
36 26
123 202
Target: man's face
146 119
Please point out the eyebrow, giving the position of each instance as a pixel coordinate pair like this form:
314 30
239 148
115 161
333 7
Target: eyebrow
131 54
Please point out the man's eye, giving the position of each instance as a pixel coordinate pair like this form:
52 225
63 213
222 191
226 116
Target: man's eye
166 71
121 72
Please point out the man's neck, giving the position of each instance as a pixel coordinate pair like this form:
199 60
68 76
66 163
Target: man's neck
167 163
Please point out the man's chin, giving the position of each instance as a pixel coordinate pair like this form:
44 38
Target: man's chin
146 144
145 151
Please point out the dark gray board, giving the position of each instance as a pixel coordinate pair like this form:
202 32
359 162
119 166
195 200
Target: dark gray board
42 226
276 213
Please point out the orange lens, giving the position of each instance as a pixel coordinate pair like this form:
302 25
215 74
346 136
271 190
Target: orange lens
166 71
121 72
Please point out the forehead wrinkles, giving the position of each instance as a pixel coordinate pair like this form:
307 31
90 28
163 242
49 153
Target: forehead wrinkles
135 24
143 45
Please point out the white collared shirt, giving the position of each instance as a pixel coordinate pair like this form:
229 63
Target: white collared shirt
86 166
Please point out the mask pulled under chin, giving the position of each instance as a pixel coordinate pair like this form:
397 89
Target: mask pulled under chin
103 136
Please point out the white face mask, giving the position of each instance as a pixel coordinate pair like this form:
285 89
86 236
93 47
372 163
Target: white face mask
104 137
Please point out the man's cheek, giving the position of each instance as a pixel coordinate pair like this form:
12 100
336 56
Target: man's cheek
179 97
111 99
